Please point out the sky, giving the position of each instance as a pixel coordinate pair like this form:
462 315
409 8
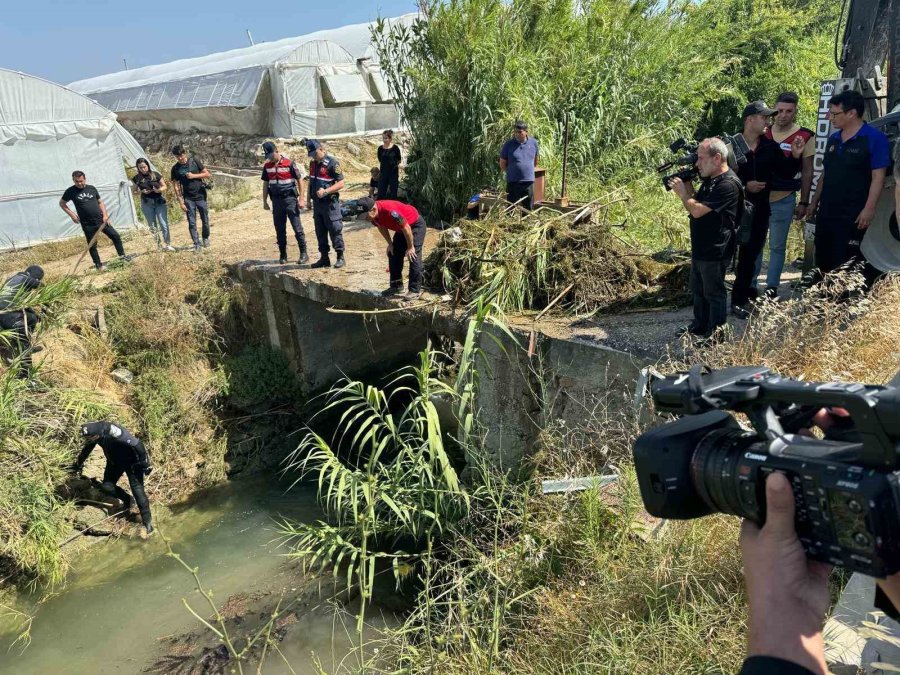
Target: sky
64 41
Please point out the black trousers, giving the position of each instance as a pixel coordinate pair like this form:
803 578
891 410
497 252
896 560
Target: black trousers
837 242
90 230
743 292
21 322
286 209
395 261
327 219
521 192
388 182
111 476
710 296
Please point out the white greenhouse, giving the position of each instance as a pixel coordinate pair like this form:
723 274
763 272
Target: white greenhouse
46 132
324 84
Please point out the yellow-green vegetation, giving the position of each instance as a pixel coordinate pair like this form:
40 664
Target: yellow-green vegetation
168 318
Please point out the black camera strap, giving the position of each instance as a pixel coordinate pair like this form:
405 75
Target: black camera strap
695 394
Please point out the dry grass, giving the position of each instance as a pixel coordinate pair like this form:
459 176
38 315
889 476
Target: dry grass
818 338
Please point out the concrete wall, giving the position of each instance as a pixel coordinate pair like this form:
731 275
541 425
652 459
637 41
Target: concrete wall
518 392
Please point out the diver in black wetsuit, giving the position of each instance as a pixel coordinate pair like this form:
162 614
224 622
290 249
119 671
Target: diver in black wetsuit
124 454
20 322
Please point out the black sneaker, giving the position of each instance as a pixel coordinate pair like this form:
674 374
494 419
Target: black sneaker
694 329
392 291
340 262
324 261
304 258
282 260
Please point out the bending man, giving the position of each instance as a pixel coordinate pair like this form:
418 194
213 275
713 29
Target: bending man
404 231
21 322
124 454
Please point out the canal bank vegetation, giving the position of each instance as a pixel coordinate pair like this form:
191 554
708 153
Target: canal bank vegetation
632 77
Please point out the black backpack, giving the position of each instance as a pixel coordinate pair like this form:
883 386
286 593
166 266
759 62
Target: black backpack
743 222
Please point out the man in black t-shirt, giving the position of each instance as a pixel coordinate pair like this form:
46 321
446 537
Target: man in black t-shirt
714 211
187 175
91 214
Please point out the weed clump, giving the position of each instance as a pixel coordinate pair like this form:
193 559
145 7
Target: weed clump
520 262
260 376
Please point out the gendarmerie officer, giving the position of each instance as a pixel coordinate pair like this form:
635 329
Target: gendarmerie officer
124 454
281 181
325 182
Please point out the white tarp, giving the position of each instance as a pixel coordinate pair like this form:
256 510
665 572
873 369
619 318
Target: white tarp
46 132
347 88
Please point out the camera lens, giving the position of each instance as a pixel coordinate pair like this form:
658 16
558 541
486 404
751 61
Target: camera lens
714 469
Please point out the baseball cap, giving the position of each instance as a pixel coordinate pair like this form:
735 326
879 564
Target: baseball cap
312 146
365 203
757 108
520 124
269 149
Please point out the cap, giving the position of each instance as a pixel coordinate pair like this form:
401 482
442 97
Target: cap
757 108
365 203
269 149
311 147
520 124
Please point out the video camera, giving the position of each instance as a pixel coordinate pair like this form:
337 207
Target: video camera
737 156
846 486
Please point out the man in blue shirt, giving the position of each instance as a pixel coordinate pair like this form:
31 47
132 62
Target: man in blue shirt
518 157
855 163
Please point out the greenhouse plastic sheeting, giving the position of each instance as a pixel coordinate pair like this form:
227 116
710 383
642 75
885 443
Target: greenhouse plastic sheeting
235 89
46 132
347 88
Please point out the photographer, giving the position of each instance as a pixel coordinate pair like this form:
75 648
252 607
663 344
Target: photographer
714 212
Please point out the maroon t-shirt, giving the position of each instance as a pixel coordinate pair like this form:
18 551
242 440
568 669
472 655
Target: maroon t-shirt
391 212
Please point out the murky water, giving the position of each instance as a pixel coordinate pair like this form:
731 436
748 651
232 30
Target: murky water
125 596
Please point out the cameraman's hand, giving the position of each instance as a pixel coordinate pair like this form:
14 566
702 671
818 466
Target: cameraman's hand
755 186
679 187
788 594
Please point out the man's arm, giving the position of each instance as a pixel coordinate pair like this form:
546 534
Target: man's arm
203 173
868 213
806 176
103 210
504 163
265 195
685 192
65 207
82 456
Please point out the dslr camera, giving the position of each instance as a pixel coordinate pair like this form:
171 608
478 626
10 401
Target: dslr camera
846 485
737 149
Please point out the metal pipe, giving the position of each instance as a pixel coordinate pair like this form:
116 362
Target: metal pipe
250 37
564 192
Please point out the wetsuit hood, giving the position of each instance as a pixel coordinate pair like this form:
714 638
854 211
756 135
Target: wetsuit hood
35 272
95 428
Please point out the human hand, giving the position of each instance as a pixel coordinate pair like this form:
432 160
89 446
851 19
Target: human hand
390 250
303 205
864 219
797 146
787 593
147 469
320 193
411 254
755 186
266 205
183 206
75 219
678 187
800 211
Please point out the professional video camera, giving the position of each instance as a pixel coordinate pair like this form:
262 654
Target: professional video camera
737 149
846 486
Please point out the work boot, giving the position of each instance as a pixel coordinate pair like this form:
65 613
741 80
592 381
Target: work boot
392 291
340 262
282 258
304 258
324 261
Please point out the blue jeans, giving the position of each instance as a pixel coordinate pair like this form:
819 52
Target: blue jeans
193 206
156 216
779 228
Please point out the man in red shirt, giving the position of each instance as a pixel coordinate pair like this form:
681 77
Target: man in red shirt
408 229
